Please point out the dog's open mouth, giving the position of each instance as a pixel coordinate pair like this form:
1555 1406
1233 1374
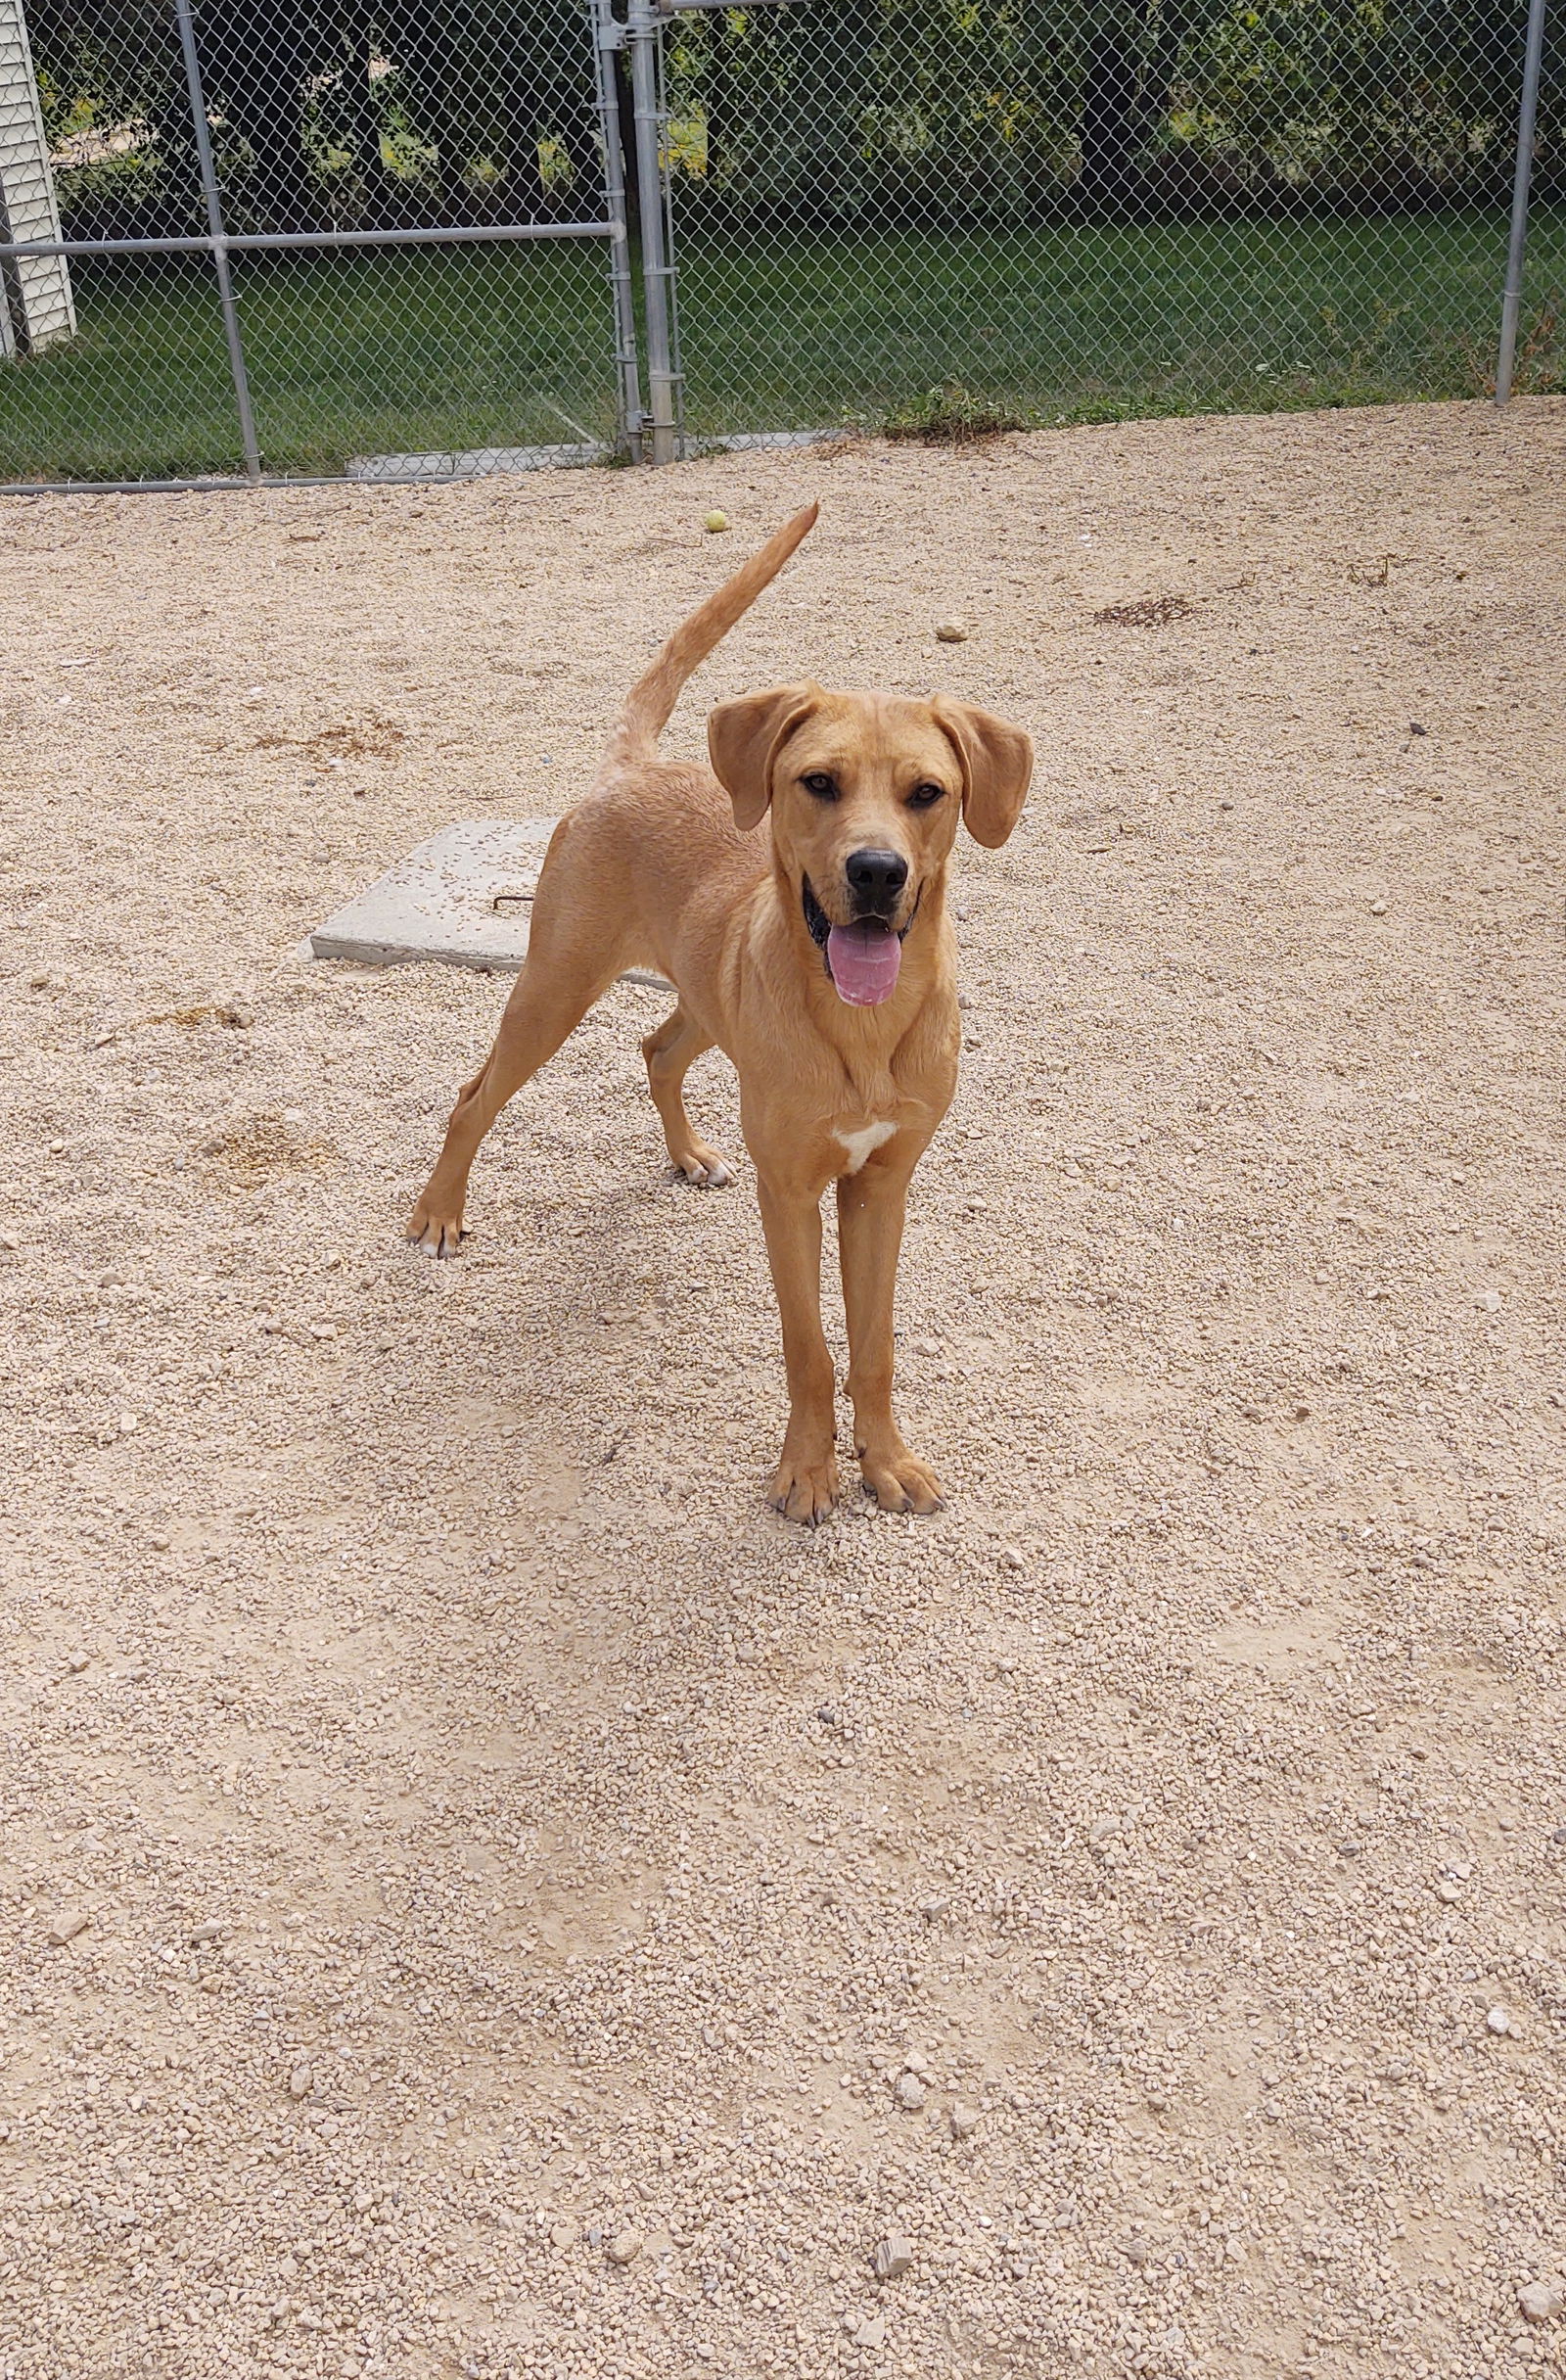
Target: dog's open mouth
862 958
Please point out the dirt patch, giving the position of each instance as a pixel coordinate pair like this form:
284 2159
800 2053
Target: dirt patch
259 1147
1149 612
493 1831
347 739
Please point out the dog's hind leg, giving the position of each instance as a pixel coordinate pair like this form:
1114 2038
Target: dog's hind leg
573 954
670 1053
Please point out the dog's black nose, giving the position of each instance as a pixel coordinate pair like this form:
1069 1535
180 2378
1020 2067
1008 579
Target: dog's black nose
876 877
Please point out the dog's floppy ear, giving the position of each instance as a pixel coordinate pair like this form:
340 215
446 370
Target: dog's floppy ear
997 762
745 737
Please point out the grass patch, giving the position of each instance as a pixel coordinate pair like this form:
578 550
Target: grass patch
429 351
1082 323
953 416
947 339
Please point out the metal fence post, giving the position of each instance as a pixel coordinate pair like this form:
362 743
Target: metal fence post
1527 116
608 40
643 31
215 218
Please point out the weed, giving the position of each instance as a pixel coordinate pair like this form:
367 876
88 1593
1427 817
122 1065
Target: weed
953 416
1533 370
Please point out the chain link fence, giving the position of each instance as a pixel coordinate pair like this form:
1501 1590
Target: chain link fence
401 238
937 217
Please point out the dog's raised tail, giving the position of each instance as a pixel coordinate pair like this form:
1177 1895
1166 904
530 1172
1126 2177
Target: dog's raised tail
653 697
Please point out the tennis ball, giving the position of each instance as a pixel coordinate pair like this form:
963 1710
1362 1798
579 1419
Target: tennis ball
714 522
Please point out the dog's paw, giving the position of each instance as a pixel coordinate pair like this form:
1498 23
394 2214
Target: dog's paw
900 1483
805 1491
435 1234
702 1166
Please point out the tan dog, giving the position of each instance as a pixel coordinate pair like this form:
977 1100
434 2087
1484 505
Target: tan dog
816 953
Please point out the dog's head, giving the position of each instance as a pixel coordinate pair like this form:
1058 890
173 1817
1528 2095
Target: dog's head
865 792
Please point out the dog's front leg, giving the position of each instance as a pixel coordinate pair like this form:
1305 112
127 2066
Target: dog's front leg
806 1486
870 1210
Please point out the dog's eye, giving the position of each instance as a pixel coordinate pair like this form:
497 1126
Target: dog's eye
923 795
824 787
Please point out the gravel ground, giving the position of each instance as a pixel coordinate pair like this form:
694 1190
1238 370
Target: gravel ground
482 1895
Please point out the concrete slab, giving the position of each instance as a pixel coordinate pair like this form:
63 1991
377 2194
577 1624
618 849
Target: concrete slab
461 900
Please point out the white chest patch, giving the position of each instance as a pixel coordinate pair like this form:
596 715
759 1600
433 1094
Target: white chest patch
860 1143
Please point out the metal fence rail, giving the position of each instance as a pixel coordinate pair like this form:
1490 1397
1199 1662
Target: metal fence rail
299 240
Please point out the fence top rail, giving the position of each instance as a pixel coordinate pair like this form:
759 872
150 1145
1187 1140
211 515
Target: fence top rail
206 242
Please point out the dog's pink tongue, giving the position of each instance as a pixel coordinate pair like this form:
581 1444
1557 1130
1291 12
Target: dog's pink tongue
864 960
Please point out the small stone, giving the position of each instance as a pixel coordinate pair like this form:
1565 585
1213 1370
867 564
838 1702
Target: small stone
564 2235
67 1927
212 1930
714 523
1448 1891
300 2082
892 2258
953 632
1499 2020
1489 1302
1542 2301
76 1663
1378 909
963 2119
1104 1829
910 2092
625 2246
865 2329
127 1422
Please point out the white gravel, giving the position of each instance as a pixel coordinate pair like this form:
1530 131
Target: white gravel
450 1829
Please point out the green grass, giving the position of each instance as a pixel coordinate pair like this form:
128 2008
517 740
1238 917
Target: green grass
374 352
447 348
1097 323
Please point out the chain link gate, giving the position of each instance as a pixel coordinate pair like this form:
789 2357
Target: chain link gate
301 240
296 240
